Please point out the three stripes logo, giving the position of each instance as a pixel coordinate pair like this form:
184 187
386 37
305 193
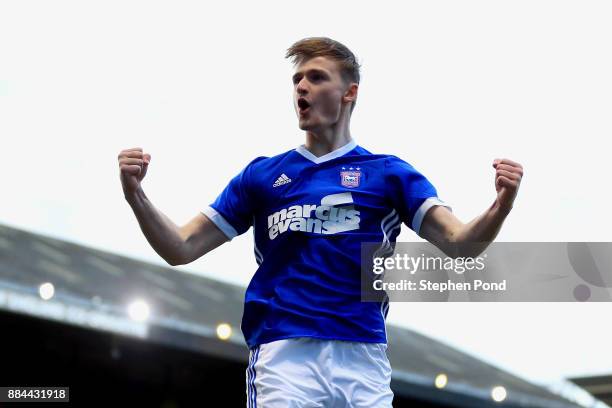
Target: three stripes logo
283 179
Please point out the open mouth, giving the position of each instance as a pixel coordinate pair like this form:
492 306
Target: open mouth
303 105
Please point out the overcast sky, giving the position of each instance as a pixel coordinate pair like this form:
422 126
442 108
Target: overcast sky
447 86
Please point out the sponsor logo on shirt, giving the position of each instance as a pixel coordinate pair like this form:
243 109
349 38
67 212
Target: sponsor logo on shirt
335 214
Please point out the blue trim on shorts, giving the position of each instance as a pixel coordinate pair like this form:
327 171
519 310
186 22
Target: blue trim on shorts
251 374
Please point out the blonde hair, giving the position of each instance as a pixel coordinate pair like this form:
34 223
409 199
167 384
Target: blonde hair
312 47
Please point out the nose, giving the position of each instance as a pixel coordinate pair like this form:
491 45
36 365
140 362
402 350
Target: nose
302 88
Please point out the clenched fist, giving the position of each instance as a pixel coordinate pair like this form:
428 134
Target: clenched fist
508 175
133 166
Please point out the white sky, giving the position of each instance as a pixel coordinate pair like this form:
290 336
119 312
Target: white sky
447 86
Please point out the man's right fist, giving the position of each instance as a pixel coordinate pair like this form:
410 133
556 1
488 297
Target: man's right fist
133 166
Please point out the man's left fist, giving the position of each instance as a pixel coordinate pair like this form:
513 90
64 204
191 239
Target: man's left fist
508 175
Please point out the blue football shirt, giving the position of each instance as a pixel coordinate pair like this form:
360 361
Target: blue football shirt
309 216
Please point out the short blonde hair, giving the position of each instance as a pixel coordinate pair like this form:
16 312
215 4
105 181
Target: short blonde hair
312 47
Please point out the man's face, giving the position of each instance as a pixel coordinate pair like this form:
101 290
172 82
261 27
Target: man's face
318 91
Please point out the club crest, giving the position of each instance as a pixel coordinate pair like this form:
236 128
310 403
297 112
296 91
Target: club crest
350 178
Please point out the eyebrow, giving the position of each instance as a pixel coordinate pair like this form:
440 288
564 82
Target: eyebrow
310 71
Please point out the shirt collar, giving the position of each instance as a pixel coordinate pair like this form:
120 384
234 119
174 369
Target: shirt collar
341 151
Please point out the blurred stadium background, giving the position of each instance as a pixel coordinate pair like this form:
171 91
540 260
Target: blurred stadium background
118 330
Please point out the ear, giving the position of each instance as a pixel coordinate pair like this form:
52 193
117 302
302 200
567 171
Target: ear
350 95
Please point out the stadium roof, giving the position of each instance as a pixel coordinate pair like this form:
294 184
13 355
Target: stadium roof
599 387
93 289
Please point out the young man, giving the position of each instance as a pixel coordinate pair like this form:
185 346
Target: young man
313 342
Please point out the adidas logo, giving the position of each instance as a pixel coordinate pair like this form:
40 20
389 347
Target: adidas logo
283 179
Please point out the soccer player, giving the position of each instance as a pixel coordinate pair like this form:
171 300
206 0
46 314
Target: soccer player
312 342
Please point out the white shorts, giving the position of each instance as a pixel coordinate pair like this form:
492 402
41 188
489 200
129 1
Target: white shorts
308 372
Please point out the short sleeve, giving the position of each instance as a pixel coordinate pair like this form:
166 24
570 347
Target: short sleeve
232 211
410 193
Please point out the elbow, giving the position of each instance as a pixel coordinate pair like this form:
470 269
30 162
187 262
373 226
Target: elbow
174 261
451 250
178 255
450 245
457 244
465 249
460 251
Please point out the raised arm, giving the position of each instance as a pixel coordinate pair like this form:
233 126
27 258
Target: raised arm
443 229
176 245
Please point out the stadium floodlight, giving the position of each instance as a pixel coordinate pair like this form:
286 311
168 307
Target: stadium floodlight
139 310
224 331
498 393
46 290
441 381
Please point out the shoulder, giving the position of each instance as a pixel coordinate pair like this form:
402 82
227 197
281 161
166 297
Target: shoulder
389 160
264 168
261 163
391 165
398 171
375 158
395 165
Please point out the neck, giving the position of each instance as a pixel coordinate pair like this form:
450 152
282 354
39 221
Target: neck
322 141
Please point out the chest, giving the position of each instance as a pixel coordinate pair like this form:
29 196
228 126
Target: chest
331 199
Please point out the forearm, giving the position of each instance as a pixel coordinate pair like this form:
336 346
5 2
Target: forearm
163 234
456 239
472 238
